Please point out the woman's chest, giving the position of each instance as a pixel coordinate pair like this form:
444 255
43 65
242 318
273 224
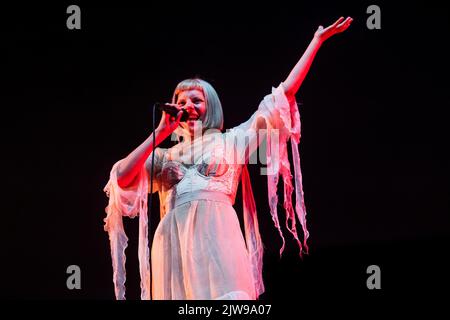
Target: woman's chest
199 168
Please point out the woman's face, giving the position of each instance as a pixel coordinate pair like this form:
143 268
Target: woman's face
194 102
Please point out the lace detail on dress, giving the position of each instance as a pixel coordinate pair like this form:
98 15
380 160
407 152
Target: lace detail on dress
221 177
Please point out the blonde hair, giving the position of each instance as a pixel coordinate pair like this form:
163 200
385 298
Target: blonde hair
214 112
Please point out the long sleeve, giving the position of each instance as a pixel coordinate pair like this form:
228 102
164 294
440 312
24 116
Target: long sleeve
277 121
129 202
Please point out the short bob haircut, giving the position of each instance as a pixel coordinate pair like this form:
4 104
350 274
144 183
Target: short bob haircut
214 112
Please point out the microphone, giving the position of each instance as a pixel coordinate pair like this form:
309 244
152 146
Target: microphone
173 111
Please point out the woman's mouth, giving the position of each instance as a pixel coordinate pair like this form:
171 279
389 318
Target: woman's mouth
192 119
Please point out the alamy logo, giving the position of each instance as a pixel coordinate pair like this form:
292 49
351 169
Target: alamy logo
374 280
74 20
374 20
74 280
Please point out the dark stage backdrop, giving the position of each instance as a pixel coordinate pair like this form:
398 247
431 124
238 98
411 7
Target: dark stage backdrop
373 146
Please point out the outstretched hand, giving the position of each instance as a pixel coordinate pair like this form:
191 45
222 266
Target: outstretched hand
339 26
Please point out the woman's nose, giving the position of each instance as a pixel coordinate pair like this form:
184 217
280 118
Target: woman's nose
189 105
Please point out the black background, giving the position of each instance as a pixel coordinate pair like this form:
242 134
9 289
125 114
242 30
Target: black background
373 146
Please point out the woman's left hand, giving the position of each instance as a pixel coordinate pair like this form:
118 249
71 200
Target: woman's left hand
339 26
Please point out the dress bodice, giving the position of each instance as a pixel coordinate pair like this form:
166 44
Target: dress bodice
178 178
185 169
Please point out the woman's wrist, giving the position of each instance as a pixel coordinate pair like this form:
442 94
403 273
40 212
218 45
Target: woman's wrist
160 135
318 39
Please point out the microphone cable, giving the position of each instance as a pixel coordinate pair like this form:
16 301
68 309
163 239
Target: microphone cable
151 200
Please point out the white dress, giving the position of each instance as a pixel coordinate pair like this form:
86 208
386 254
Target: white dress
199 251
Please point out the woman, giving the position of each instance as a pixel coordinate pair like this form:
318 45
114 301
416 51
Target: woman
199 251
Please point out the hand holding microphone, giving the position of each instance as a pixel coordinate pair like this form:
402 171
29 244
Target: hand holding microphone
173 110
172 116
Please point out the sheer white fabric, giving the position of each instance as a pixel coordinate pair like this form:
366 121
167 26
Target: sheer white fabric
199 251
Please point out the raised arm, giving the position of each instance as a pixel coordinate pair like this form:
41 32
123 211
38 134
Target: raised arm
130 166
299 72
